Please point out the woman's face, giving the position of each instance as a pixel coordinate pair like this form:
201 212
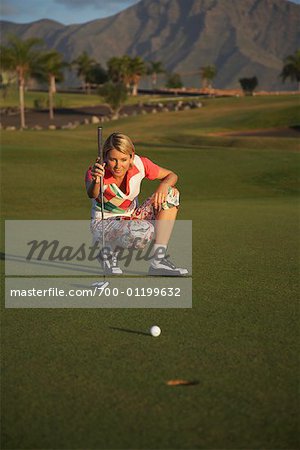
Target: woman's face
118 163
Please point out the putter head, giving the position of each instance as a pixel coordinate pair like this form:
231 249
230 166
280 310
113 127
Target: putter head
100 284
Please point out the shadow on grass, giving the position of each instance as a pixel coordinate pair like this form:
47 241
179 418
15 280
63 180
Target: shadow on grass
127 330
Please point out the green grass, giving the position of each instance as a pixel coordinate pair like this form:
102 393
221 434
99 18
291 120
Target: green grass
63 100
70 381
71 100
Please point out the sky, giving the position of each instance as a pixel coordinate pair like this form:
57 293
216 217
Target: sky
63 11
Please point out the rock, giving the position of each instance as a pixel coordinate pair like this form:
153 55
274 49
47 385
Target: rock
85 121
186 107
69 126
51 127
160 105
10 128
95 120
143 112
165 109
154 111
37 128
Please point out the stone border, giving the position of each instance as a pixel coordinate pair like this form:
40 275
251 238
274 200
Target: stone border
141 109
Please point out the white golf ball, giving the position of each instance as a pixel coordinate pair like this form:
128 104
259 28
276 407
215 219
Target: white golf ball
155 331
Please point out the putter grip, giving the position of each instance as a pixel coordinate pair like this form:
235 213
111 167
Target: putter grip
100 153
100 157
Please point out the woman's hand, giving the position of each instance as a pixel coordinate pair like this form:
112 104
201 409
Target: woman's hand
168 179
97 171
160 195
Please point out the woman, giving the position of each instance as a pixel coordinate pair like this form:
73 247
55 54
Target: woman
127 224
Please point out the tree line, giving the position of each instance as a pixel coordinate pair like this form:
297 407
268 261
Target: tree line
29 59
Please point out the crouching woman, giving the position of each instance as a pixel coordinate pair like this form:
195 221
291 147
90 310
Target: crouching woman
126 224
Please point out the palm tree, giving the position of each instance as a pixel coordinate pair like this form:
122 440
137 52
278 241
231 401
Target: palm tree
84 66
208 73
154 69
291 68
137 68
50 69
118 70
126 70
19 56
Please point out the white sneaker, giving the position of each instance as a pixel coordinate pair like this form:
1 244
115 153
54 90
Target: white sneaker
166 268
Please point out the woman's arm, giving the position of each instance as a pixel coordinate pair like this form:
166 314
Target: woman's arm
168 179
93 186
167 176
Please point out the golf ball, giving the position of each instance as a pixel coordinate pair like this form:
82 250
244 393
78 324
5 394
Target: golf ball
155 331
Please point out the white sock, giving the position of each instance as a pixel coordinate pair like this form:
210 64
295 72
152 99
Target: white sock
159 252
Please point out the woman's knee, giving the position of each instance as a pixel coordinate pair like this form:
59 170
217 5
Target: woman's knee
172 198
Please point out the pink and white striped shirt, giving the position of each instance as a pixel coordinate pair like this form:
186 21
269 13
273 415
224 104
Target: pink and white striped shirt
116 202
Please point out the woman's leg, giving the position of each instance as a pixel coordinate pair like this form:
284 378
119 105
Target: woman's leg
164 225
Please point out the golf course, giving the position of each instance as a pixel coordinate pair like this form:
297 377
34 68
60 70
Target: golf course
94 378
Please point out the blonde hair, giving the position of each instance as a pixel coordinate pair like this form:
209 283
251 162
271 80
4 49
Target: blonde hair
120 142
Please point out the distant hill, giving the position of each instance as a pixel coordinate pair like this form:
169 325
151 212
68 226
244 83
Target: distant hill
241 37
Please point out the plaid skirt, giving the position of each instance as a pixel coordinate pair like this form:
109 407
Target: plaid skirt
135 231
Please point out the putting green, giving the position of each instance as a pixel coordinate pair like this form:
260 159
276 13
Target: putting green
74 379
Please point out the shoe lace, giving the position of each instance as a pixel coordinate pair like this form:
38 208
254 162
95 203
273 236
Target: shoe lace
114 260
168 263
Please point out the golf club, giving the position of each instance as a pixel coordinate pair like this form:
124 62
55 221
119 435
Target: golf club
104 283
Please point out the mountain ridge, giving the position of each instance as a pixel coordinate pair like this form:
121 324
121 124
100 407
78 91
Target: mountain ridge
242 38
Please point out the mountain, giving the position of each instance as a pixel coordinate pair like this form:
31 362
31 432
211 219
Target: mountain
241 37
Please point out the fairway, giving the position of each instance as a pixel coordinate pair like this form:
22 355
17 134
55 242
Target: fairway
76 379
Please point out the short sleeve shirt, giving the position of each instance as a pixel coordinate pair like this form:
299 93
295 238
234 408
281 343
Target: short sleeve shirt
116 202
